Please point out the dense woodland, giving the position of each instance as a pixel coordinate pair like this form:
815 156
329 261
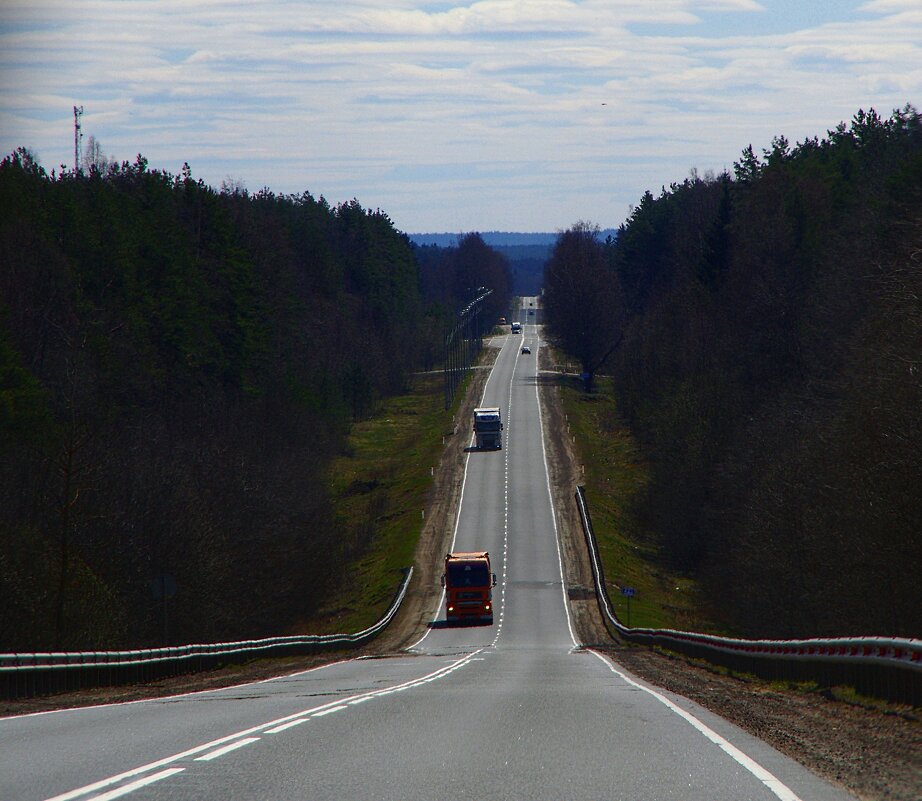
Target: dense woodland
765 338
526 253
457 272
178 367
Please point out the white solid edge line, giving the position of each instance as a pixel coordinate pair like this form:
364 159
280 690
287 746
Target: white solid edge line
130 788
454 536
226 749
161 698
550 497
108 782
772 782
273 678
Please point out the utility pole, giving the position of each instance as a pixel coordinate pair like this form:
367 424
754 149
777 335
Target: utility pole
463 343
78 138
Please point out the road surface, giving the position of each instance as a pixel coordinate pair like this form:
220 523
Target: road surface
515 710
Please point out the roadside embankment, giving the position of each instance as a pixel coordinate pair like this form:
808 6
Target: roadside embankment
872 750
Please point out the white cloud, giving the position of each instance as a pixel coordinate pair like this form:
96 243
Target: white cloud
889 6
383 100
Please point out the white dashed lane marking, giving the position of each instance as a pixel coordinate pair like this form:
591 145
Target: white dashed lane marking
219 752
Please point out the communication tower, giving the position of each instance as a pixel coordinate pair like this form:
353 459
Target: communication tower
78 138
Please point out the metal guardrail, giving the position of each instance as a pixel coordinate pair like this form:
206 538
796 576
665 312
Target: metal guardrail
880 667
28 675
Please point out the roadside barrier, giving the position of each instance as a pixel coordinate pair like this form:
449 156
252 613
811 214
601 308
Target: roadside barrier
880 667
30 675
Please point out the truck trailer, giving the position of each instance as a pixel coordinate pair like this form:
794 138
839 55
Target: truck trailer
487 426
468 585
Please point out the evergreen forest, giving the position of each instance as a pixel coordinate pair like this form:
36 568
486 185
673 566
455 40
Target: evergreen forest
764 342
178 368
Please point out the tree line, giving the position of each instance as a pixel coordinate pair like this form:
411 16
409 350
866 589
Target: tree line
178 367
451 277
763 336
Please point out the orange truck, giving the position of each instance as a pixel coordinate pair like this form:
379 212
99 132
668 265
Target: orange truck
468 584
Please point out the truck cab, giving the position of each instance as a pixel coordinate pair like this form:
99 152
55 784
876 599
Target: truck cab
468 584
487 427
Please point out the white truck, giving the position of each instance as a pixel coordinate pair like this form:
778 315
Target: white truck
516 328
487 425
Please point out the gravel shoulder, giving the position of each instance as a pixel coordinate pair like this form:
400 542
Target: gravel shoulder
424 591
408 626
874 751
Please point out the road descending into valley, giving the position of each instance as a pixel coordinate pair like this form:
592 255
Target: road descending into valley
515 710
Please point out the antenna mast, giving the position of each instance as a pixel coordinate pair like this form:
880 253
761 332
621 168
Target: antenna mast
78 138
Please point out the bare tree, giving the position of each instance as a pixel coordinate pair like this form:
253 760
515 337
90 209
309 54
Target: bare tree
93 157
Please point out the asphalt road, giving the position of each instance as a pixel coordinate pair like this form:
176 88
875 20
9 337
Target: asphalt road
510 711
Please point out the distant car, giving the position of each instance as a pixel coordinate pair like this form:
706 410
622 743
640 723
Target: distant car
531 311
526 349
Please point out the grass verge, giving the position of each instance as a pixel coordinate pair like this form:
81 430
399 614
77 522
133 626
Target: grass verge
613 473
379 488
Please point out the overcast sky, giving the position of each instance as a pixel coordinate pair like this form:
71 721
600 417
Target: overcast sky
517 115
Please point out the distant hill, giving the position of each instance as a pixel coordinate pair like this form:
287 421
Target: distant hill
496 238
527 253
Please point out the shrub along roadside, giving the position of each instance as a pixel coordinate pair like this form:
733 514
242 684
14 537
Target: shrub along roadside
614 475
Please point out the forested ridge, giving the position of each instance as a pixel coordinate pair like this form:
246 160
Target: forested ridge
764 338
178 368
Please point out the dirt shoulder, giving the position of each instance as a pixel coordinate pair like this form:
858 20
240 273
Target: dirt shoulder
408 626
875 753
424 592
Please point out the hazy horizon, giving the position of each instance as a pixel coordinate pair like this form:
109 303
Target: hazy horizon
450 115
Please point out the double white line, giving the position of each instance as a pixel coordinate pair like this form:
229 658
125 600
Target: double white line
217 748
